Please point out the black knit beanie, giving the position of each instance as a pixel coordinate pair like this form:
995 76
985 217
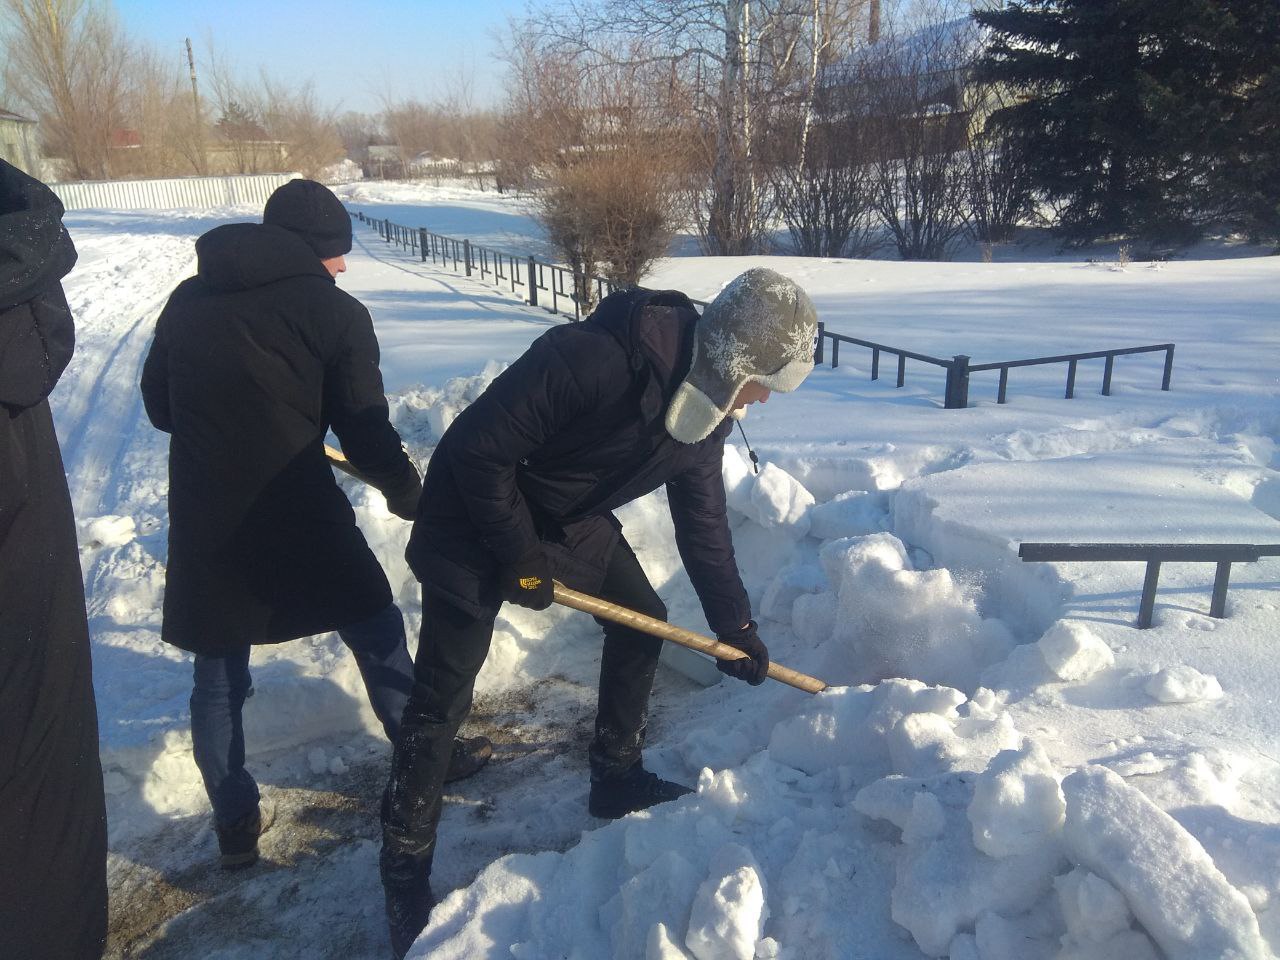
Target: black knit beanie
311 210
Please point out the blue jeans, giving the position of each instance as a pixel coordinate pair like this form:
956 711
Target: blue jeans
222 683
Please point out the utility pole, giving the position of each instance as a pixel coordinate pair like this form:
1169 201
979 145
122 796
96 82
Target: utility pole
200 159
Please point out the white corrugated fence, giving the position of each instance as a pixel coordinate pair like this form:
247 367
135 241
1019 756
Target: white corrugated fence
170 193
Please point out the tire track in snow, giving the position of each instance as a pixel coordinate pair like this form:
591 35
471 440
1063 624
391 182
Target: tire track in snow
106 454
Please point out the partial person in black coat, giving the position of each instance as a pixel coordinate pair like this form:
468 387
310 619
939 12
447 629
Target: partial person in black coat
53 828
254 359
522 488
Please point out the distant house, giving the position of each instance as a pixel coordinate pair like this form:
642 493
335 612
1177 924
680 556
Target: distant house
384 161
922 79
18 141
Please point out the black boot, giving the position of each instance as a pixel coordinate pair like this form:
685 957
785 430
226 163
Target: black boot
468 757
406 885
637 789
238 841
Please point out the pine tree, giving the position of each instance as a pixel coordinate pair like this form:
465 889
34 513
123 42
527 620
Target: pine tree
1247 181
1136 114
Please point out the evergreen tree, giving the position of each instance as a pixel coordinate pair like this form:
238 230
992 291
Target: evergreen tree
1247 181
1139 117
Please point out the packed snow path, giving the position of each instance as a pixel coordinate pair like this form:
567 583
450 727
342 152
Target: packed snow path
878 821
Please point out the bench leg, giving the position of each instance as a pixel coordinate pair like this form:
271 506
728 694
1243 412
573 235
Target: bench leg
1218 607
1149 594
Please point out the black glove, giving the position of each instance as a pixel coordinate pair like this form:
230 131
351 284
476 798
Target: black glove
402 500
747 639
528 581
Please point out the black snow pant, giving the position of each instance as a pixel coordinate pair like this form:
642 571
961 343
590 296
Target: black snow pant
451 650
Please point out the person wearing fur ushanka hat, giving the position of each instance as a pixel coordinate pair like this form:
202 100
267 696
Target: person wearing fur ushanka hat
760 329
521 492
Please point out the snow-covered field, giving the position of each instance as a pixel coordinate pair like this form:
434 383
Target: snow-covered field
1041 779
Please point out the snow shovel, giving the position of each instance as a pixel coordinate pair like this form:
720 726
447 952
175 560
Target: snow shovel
638 621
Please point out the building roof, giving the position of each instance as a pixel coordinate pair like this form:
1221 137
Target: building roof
14 117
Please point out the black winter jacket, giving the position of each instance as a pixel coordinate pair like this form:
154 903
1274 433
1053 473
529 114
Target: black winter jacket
53 829
568 433
253 360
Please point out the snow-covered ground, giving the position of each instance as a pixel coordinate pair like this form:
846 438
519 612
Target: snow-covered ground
1042 779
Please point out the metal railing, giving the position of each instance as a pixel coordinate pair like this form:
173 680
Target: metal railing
540 283
1154 554
558 289
958 368
1071 360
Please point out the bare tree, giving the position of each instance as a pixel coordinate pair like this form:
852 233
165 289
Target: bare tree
733 56
814 147
358 131
920 158
68 62
158 109
309 132
605 146
1000 184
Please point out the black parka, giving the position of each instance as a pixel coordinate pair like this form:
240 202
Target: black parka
571 431
53 832
253 360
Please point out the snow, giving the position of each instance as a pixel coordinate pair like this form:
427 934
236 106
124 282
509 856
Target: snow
1004 766
1183 684
1185 903
1073 651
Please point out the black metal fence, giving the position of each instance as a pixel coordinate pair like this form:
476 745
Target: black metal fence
560 290
541 284
1154 554
958 368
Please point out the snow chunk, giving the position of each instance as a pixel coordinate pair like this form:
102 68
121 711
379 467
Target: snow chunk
1167 878
318 760
107 531
927 819
780 500
1093 909
792 582
893 621
1183 684
849 726
1130 945
661 946
923 745
943 883
1017 803
739 478
1073 651
729 911
854 513
813 616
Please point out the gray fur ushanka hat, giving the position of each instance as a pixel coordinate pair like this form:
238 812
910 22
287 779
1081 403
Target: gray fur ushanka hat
760 327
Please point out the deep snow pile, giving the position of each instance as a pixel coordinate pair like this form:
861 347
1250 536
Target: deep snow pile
1049 781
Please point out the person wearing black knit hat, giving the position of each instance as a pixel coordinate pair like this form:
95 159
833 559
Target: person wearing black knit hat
311 211
254 360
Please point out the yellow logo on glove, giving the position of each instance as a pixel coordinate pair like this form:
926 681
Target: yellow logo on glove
530 583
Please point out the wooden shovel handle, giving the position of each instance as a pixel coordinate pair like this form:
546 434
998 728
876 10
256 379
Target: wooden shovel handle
686 638
340 462
638 621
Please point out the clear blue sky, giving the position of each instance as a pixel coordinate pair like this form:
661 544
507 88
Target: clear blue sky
356 52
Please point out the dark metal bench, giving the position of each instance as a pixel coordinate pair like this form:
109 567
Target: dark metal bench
1154 554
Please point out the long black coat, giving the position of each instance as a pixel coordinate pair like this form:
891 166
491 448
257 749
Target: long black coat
253 360
568 433
53 845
